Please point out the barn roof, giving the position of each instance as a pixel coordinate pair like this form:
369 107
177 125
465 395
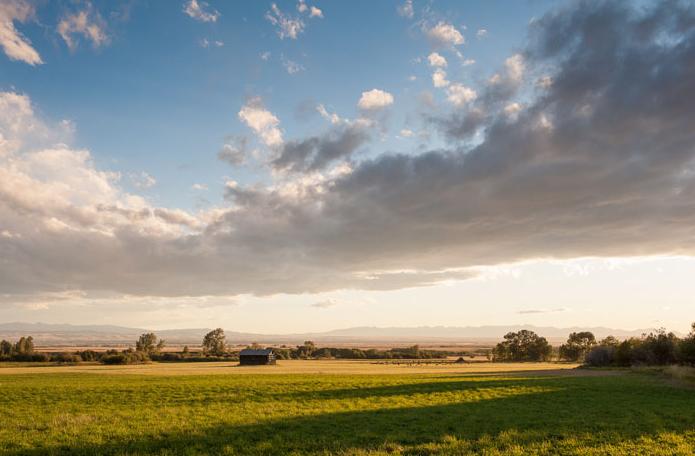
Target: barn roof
253 352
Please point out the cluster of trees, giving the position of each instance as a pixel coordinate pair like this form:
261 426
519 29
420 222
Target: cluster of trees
149 347
22 350
524 345
656 348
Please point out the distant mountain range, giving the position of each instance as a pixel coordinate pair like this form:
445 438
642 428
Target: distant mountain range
80 335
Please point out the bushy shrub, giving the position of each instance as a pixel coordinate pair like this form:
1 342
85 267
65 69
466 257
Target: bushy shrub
88 355
125 357
31 357
600 356
66 358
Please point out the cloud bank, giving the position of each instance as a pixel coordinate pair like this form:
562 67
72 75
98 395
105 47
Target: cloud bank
598 160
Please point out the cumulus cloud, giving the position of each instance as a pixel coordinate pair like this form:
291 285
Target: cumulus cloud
481 33
444 34
439 78
263 122
615 164
200 11
460 95
375 99
15 45
435 59
87 23
315 12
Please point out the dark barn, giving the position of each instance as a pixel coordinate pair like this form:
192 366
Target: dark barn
252 357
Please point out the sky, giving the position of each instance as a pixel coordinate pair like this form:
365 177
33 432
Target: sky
312 165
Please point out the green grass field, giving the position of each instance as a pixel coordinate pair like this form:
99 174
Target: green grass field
63 411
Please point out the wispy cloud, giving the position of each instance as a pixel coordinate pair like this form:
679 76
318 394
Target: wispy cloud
540 311
87 23
15 45
200 11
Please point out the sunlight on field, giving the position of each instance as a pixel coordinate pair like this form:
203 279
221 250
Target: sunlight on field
292 367
358 408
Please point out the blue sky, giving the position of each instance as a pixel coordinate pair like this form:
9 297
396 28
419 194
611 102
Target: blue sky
153 99
187 163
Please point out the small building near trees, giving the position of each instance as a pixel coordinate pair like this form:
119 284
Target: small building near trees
256 357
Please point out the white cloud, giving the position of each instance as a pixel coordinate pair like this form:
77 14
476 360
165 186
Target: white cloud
468 62
325 304
332 117
87 23
439 78
15 45
512 109
412 77
315 12
481 33
207 43
287 26
406 9
375 99
142 180
265 56
291 66
445 34
407 133
200 11
515 67
460 95
263 122
436 60
199 187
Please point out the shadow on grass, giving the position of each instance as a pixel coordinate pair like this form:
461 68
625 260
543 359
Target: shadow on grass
521 416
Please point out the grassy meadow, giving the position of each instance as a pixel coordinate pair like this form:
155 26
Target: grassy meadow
348 408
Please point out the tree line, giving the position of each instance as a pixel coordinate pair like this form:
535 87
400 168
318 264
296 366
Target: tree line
655 348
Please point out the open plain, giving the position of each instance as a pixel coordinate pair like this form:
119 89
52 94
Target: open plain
342 407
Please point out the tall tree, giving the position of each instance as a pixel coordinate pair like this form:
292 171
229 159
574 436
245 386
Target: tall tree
214 342
577 346
148 343
524 345
24 346
5 348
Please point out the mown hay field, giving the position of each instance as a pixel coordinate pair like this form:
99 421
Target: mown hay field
349 408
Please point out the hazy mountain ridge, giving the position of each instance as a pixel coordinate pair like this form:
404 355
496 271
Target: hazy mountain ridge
66 334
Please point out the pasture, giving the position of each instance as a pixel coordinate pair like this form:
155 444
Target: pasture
341 407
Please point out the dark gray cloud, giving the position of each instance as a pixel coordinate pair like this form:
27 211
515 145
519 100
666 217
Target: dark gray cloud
317 152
